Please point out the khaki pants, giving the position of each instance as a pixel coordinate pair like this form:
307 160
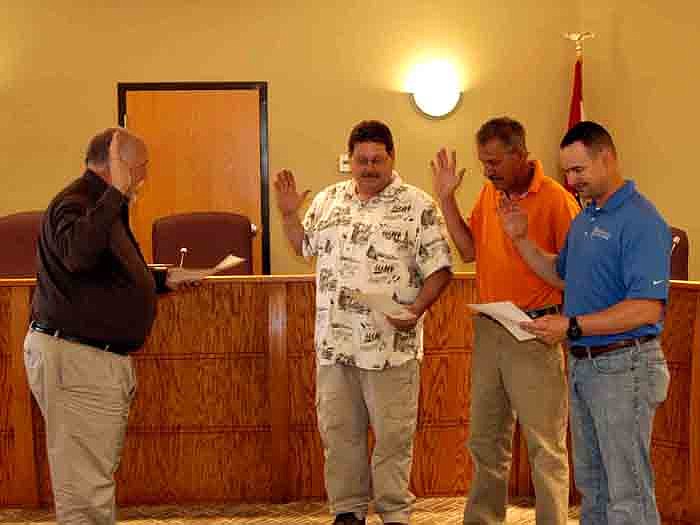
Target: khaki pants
348 399
84 395
525 379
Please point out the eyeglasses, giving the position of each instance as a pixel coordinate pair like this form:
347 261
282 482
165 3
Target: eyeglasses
374 161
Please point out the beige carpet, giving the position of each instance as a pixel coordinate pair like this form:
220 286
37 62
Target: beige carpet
433 511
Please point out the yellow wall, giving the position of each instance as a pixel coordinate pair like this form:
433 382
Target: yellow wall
641 80
330 65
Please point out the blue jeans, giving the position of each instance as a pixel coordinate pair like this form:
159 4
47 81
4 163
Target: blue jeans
613 398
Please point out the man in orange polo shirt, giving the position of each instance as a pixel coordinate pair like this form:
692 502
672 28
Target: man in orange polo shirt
508 377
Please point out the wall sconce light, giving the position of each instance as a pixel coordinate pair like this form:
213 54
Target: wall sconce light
434 88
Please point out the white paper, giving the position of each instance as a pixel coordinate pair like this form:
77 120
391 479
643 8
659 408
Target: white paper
508 315
384 304
178 275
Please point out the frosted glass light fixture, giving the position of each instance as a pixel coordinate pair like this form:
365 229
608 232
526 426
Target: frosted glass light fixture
434 88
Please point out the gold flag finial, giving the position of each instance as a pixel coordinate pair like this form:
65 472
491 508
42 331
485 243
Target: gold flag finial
578 38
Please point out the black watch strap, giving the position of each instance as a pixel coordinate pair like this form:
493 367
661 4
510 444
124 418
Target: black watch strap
574 331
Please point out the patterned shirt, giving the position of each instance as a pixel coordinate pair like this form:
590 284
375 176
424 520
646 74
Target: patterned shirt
389 245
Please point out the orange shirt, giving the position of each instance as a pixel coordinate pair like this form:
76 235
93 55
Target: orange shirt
501 273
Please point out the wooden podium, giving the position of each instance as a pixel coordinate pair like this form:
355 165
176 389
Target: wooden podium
225 409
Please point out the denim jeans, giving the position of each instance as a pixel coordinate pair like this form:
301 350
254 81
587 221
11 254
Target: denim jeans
613 398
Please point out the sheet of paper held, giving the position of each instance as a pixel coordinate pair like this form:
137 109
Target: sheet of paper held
384 304
177 275
508 315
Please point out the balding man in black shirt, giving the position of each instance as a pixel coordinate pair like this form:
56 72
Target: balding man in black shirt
94 303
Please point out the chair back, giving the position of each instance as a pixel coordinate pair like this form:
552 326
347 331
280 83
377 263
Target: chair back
208 237
679 254
18 238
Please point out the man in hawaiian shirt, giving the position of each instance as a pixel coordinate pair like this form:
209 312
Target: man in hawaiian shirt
372 234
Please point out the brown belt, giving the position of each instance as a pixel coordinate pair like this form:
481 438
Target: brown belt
579 352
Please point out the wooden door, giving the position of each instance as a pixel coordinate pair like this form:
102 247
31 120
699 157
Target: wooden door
205 155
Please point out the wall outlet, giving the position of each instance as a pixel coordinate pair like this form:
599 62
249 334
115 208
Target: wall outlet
344 163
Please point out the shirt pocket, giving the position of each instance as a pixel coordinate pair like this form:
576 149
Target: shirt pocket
390 255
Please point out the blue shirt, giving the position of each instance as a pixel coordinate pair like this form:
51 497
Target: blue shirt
617 252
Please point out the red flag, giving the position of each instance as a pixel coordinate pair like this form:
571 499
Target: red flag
576 109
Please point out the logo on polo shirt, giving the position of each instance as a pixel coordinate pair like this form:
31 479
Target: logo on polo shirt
655 283
600 233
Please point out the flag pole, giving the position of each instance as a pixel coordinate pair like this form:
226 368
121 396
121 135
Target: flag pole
576 113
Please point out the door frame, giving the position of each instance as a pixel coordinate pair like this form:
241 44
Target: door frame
124 87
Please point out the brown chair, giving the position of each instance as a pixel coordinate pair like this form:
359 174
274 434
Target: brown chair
208 237
18 237
679 254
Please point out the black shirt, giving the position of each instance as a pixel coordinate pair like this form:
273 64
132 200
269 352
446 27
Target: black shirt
93 281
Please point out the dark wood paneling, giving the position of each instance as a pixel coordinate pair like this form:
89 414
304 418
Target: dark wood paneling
441 462
278 386
305 464
444 395
301 307
217 317
191 394
671 469
671 423
448 322
302 390
203 466
225 409
18 478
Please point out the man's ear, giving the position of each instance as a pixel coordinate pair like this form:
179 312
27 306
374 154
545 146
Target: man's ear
608 157
101 168
521 153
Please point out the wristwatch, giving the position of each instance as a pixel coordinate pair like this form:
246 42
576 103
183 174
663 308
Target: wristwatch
574 332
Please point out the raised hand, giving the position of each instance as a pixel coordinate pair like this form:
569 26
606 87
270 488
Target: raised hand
446 179
513 218
118 168
288 199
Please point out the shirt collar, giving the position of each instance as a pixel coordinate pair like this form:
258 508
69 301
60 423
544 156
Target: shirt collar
94 180
535 182
617 199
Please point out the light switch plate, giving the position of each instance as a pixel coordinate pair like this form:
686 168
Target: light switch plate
344 163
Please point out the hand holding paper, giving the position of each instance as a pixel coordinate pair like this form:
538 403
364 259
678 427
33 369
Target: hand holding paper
508 315
550 328
398 315
179 275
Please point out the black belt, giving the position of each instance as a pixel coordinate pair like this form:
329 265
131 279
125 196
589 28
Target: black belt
545 310
579 352
119 348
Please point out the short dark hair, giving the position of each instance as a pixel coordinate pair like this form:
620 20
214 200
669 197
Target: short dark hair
591 134
509 131
98 148
371 131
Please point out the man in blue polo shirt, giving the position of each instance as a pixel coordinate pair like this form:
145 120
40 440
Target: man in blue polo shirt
614 268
